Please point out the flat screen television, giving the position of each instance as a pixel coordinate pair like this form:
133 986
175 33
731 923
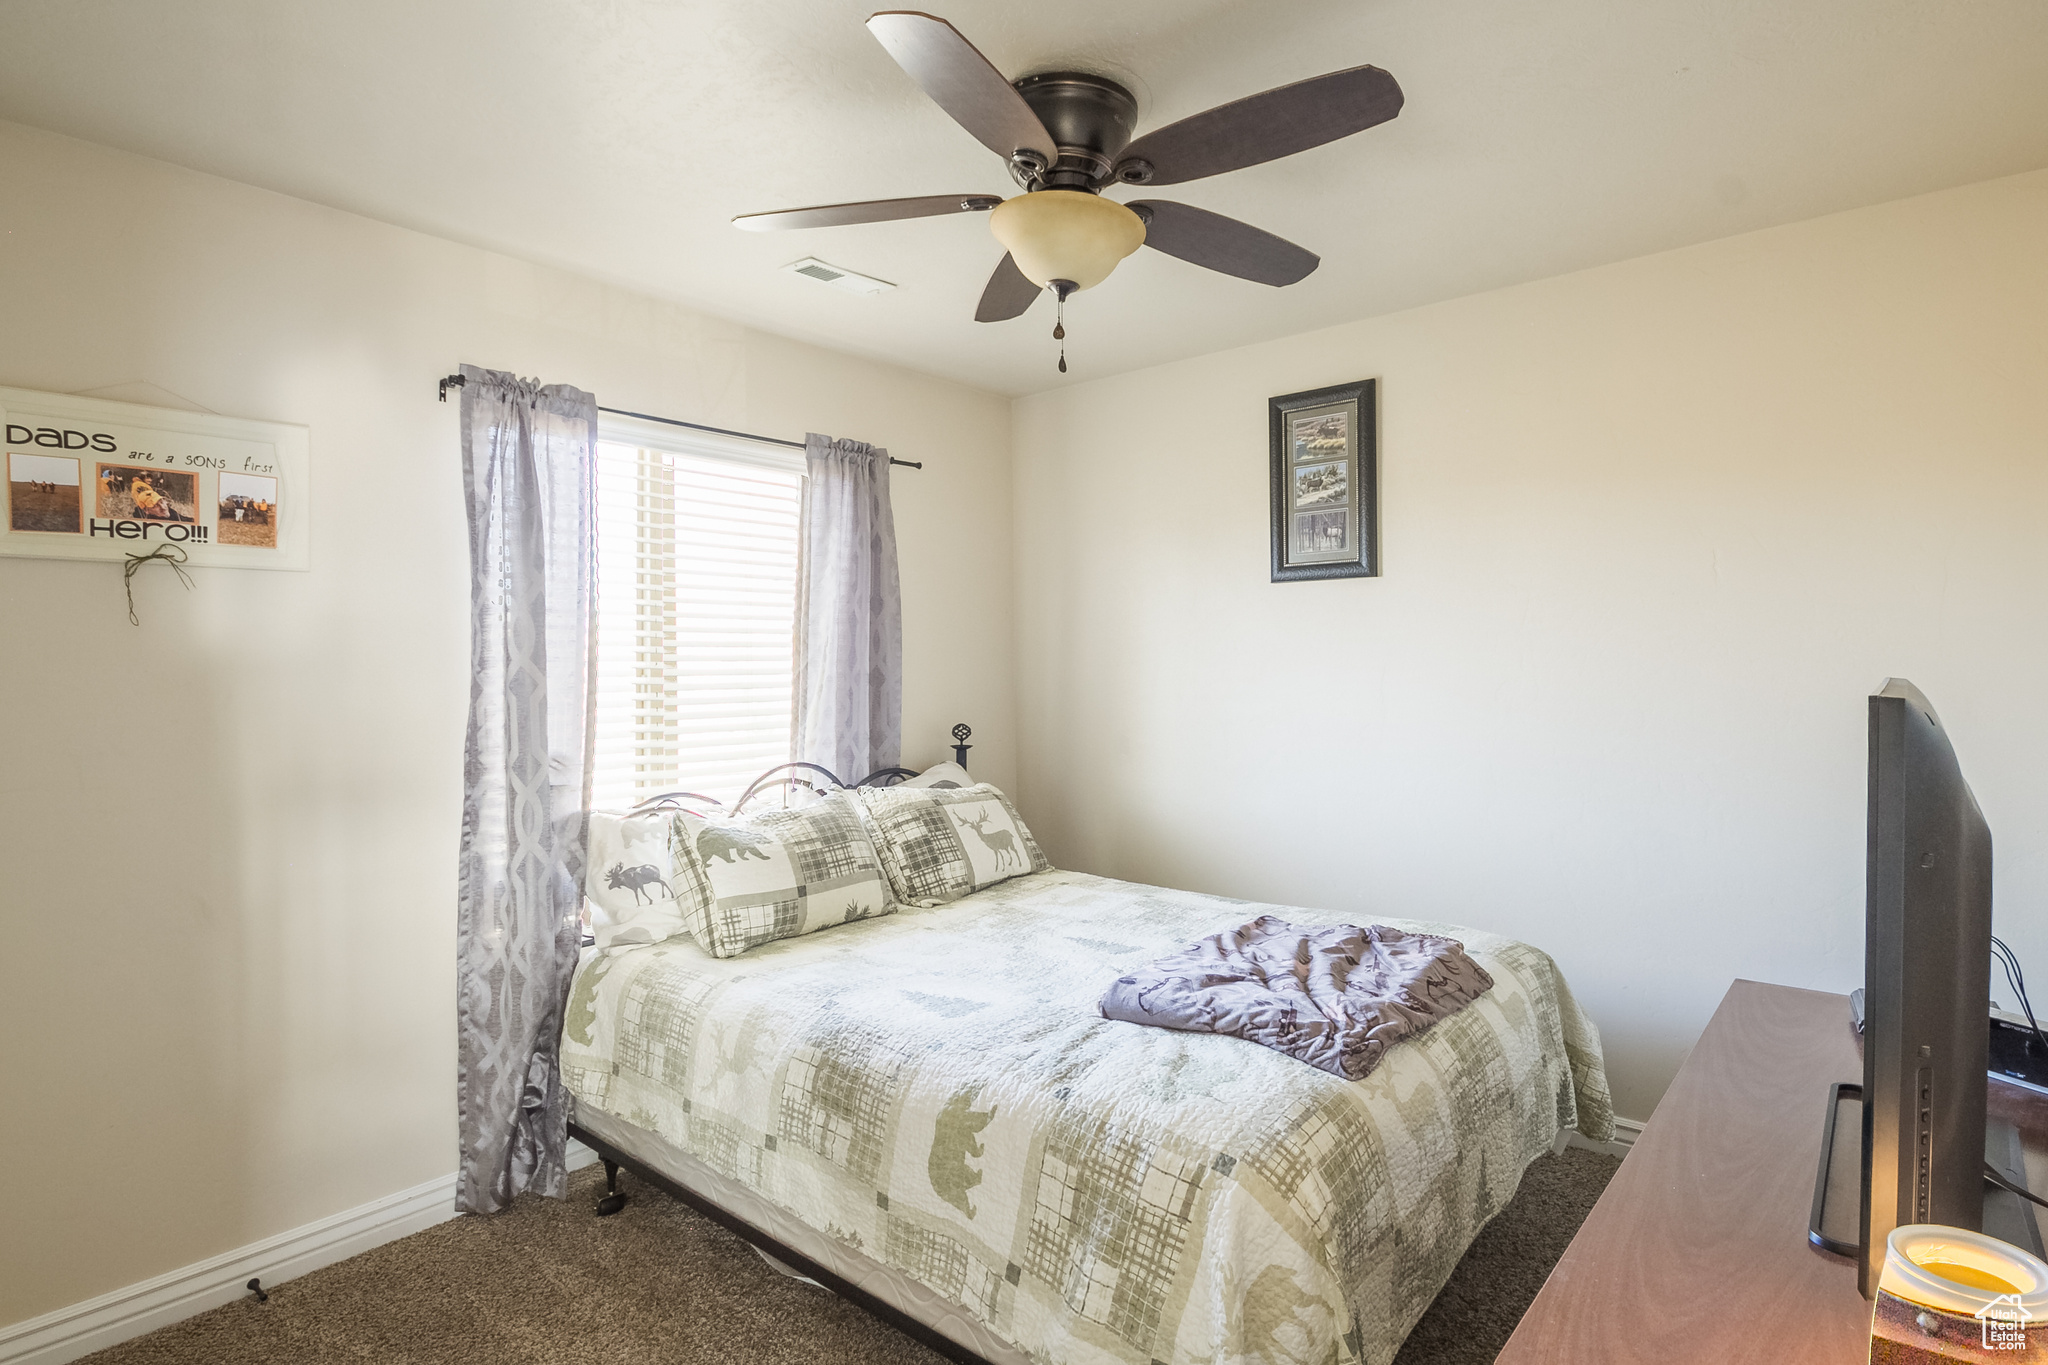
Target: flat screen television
1926 980
1925 1139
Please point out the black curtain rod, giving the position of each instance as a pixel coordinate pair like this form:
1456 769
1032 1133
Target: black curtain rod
456 381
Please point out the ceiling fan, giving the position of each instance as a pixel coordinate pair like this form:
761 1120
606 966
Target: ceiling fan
1066 136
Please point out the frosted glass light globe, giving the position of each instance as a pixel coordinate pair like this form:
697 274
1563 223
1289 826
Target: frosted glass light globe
1066 235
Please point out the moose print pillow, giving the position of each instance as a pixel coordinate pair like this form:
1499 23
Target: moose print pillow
630 879
749 880
940 844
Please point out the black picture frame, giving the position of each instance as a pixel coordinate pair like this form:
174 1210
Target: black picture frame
1325 482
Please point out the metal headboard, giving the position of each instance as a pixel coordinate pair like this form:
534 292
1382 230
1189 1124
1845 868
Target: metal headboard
795 775
786 775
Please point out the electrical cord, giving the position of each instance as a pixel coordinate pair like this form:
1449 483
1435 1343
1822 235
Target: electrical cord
1992 1174
2017 979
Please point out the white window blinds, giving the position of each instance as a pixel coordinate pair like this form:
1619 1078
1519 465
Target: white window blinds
697 550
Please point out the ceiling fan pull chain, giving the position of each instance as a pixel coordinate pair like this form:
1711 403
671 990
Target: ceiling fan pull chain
1059 332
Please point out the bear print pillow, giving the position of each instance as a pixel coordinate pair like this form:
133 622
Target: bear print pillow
749 880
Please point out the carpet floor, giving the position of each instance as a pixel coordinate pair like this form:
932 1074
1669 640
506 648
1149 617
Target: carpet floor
552 1284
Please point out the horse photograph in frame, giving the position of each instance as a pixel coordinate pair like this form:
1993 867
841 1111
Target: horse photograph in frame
1325 482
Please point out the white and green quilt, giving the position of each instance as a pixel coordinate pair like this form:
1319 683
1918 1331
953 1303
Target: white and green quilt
937 1089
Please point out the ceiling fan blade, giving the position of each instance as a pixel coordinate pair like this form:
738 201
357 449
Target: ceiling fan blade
1202 238
869 211
1008 294
963 83
1263 127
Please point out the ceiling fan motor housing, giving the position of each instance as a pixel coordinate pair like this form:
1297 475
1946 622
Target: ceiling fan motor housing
1091 119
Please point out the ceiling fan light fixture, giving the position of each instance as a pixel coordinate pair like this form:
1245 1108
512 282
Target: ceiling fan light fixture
1066 235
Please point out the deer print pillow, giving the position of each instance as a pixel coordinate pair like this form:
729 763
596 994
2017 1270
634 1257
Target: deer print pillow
940 844
630 879
756 878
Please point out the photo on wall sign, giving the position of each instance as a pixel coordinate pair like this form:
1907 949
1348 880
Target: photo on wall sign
97 480
1325 460
43 493
248 510
137 494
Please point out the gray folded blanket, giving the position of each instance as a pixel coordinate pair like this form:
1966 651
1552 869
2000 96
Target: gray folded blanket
1336 997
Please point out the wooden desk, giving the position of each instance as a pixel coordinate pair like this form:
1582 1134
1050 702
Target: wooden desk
1697 1251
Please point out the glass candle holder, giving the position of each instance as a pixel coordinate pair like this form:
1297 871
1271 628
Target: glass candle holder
1950 1295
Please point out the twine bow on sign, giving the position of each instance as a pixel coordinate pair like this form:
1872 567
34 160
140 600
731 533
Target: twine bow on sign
172 555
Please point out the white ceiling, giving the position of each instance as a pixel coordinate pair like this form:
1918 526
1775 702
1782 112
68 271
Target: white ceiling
617 137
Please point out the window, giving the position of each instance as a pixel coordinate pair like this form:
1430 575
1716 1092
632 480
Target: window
696 610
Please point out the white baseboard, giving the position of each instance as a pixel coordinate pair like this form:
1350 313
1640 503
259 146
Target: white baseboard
68 1333
1625 1133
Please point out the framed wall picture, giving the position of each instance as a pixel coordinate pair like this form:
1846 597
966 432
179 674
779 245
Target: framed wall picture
88 478
1326 483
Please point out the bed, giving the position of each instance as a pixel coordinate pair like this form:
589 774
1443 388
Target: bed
926 1112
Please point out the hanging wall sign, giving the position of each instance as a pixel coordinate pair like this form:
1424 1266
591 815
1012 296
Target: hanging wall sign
92 479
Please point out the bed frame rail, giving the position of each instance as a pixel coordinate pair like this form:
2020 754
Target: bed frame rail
615 1199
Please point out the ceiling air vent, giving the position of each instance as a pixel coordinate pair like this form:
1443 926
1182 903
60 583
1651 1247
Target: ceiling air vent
812 268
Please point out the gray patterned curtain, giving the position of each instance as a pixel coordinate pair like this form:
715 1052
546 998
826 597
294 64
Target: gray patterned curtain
529 472
849 613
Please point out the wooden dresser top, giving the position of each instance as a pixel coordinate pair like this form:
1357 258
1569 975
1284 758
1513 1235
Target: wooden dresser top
1697 1251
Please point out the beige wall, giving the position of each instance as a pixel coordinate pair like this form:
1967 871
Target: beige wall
227 837
1652 532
